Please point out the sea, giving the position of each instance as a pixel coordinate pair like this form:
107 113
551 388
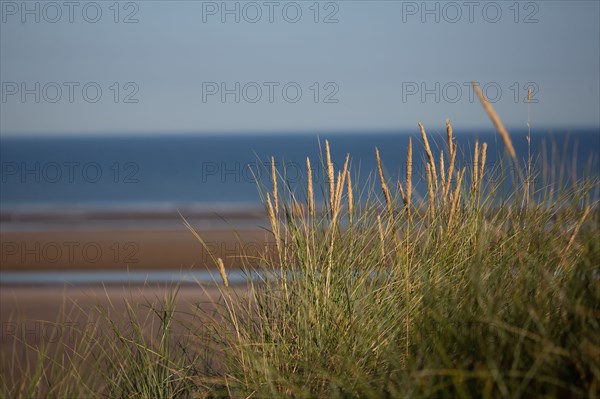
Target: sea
50 176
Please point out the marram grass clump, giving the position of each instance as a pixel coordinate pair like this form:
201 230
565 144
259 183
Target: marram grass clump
452 295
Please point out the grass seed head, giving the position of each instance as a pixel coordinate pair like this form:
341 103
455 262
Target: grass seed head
449 134
429 154
330 177
340 184
409 171
482 157
450 174
496 121
221 267
384 186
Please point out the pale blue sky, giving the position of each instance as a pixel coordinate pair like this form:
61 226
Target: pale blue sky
371 58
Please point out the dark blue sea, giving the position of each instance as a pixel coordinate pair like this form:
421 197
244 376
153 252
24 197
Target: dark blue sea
164 172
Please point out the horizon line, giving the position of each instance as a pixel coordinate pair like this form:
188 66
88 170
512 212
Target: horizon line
290 132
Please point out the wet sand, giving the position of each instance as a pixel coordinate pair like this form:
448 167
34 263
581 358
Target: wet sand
126 249
128 239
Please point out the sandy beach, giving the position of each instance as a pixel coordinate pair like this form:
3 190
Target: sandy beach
54 317
31 310
49 313
127 241
115 245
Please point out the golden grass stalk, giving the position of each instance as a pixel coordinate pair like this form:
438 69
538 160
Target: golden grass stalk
270 211
456 196
448 187
442 170
482 157
274 183
340 184
402 193
297 209
310 194
381 237
221 267
497 122
273 220
429 154
330 177
452 153
350 197
409 171
449 134
430 190
474 173
336 208
384 186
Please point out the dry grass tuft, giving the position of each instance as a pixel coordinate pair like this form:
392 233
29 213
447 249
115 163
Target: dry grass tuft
482 157
452 152
340 185
310 194
430 190
429 154
455 197
221 267
330 178
475 171
497 122
384 186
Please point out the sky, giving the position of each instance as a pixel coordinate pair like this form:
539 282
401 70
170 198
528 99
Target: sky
146 67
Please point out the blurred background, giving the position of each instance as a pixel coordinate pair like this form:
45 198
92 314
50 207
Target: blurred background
117 116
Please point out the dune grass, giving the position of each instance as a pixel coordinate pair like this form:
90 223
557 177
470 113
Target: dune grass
456 296
467 292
